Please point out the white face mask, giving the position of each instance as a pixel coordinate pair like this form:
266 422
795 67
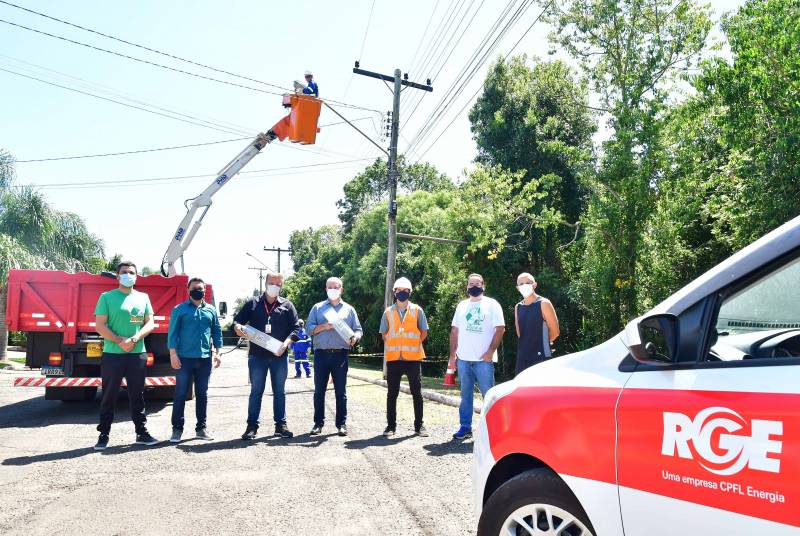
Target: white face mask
526 289
334 293
273 291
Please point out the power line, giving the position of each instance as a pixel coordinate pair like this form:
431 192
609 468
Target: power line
128 152
155 51
366 31
226 130
111 182
156 149
536 20
441 109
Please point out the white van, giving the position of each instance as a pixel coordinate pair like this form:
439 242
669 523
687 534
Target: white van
686 423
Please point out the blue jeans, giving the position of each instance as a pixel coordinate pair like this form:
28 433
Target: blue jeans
328 364
278 368
198 369
469 372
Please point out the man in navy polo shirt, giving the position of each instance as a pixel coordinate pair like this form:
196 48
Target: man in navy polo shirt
277 317
193 326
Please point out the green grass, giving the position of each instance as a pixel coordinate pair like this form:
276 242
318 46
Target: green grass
430 383
20 360
4 365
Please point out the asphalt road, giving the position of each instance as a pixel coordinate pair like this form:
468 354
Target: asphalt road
52 482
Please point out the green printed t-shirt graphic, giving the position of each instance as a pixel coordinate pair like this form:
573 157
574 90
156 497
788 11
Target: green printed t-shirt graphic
126 314
475 318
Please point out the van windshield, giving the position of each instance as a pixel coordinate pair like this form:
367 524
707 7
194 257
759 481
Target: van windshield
772 302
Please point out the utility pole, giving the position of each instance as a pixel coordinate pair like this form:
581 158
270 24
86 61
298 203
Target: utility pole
260 278
391 256
279 250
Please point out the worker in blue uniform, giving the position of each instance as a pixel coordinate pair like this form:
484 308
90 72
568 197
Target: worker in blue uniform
300 349
311 87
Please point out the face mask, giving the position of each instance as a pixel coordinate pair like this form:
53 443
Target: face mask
402 295
475 291
273 291
127 280
526 290
197 293
334 293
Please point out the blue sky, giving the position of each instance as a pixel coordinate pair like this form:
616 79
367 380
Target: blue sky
272 42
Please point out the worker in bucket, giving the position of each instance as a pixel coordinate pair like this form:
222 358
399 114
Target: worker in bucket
311 87
300 349
403 327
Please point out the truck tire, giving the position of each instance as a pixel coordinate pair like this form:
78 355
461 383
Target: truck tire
536 499
70 394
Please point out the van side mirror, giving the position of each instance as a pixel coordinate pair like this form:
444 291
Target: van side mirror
653 340
223 309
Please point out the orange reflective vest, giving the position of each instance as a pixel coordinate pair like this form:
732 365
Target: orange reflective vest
403 340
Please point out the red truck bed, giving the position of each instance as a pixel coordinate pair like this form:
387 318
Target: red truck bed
55 301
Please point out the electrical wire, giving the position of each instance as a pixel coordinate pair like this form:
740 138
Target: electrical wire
536 20
156 149
225 130
116 182
441 109
155 51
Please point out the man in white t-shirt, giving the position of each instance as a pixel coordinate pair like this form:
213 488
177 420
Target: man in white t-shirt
476 332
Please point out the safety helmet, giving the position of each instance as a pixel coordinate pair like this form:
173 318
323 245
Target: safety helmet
402 282
309 73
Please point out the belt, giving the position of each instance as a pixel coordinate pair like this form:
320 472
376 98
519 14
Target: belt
332 350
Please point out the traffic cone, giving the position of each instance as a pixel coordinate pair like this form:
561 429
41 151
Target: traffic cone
450 378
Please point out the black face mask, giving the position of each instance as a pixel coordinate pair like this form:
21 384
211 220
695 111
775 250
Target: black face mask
402 295
197 294
475 291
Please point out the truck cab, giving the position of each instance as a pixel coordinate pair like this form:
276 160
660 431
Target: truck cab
687 422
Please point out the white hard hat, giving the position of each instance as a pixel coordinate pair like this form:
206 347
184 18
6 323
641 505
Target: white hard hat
403 282
309 73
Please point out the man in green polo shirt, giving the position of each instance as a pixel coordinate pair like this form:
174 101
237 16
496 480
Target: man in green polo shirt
123 317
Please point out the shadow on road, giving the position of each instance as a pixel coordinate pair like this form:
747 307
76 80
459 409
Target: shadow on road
377 441
38 412
449 447
302 440
77 453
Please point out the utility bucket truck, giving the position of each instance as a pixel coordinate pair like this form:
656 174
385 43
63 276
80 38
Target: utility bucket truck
56 309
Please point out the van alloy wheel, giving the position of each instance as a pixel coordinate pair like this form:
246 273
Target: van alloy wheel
543 519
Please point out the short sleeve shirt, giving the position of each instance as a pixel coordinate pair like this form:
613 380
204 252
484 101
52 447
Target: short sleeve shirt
125 314
476 321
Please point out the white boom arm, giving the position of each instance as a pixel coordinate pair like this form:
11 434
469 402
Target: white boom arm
181 239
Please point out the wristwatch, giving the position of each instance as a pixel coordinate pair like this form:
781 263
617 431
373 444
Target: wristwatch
135 338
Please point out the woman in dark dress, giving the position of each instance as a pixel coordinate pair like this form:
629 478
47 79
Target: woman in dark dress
536 323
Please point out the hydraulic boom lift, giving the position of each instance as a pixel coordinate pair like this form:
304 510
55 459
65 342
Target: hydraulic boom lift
300 126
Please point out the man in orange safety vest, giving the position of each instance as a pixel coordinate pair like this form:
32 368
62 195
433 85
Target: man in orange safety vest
403 327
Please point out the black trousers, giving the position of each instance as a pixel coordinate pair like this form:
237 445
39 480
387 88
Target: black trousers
395 371
114 367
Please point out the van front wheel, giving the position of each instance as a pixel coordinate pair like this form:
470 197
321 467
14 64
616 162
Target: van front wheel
534 502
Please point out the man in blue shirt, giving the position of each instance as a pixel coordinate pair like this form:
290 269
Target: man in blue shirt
193 327
311 87
277 317
331 350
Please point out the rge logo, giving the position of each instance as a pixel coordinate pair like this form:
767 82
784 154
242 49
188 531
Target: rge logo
721 438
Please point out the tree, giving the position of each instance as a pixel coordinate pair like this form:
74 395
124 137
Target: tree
33 235
370 186
732 165
631 51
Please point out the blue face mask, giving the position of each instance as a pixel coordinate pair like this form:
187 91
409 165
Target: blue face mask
127 280
402 295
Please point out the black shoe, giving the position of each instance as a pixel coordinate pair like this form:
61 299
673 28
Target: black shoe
283 431
308 375
102 442
343 430
389 432
317 430
146 439
297 376
250 433
421 431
